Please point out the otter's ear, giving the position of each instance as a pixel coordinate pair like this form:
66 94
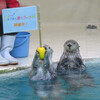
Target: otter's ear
65 43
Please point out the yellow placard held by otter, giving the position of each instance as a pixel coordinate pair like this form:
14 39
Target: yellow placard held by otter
41 51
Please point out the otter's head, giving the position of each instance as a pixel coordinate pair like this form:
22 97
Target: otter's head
41 67
71 46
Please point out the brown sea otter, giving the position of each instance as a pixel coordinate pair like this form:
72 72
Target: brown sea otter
71 60
43 69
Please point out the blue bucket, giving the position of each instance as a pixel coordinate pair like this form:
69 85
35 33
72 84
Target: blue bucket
21 46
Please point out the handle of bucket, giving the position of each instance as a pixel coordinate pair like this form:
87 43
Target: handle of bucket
17 45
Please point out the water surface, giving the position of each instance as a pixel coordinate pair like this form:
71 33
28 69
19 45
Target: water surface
16 86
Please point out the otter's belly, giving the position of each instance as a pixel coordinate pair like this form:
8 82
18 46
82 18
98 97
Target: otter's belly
69 65
41 75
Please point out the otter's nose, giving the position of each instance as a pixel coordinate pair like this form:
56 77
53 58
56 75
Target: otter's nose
69 45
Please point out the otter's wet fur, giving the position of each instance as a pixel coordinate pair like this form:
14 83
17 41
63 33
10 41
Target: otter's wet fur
71 60
43 69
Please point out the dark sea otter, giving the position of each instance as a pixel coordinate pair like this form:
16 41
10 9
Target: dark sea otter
71 60
43 69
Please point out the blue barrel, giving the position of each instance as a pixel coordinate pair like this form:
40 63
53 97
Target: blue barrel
21 45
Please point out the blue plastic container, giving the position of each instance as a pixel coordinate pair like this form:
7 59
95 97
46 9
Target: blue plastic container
21 46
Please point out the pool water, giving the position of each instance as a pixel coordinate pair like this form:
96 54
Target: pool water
16 86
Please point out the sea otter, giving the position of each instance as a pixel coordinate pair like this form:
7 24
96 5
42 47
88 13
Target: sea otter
71 60
43 69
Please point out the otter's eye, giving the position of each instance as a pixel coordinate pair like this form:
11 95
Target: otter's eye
74 43
45 48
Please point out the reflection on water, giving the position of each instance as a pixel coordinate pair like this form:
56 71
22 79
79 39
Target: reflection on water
66 85
17 86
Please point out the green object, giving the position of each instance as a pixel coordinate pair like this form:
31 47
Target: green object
41 51
13 70
39 25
